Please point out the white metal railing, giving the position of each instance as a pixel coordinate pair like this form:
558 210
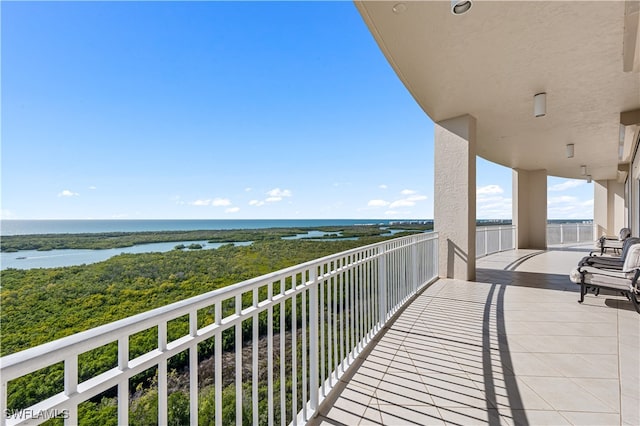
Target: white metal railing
569 233
494 239
333 306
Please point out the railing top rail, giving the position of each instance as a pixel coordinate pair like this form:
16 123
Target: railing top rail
41 356
496 227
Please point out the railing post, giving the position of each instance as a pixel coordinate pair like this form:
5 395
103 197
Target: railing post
382 286
123 387
578 232
218 365
163 406
414 263
70 387
193 370
561 233
3 402
313 341
238 357
499 238
486 240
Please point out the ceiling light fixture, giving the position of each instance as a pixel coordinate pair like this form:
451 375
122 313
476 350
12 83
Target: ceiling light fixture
399 8
570 150
540 104
459 7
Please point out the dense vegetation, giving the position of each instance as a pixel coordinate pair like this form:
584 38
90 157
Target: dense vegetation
41 305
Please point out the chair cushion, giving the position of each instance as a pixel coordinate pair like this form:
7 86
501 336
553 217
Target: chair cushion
632 261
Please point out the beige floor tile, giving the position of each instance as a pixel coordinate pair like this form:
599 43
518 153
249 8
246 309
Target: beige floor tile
371 416
606 390
421 415
510 393
471 416
365 380
561 328
348 414
439 367
529 364
630 407
591 419
563 394
356 395
566 344
403 390
581 365
534 417
488 362
448 390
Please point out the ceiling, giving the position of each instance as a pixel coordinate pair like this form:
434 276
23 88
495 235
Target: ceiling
491 61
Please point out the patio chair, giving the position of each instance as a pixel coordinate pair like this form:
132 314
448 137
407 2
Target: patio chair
613 262
614 243
625 280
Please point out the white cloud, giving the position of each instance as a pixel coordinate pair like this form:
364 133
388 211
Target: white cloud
569 207
391 212
232 210
67 193
6 214
417 198
216 202
277 192
562 199
489 189
377 203
568 184
409 201
382 186
402 203
491 204
92 188
274 195
220 202
248 189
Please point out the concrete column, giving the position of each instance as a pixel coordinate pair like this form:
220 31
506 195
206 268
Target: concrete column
455 196
608 207
530 208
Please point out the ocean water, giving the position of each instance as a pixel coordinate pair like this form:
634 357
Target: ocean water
25 227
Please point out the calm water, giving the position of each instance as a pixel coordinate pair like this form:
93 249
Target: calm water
27 259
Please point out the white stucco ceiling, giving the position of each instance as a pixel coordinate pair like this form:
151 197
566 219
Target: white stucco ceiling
491 61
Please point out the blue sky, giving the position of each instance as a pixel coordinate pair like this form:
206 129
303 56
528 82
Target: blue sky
217 111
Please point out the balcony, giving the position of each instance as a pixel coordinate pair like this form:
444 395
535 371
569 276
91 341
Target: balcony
372 336
512 348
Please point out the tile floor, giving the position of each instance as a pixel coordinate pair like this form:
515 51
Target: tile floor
514 348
